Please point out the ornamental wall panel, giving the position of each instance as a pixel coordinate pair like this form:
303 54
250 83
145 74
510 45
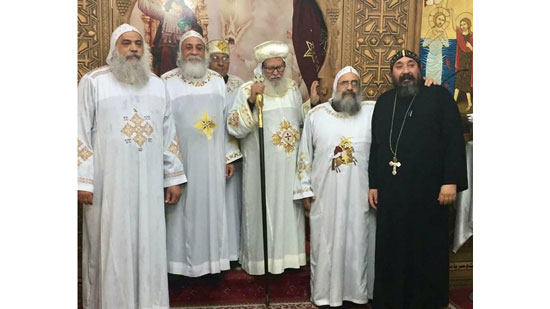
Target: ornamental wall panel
96 21
88 36
366 34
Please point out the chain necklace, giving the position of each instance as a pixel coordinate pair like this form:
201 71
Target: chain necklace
394 163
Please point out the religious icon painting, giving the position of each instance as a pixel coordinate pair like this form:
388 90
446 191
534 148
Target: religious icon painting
163 22
343 154
286 137
446 49
137 129
206 125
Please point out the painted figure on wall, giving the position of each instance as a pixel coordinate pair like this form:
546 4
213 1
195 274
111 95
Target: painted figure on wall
235 18
446 48
241 23
175 18
435 40
464 58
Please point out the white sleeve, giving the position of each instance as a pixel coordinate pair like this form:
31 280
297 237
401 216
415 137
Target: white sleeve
302 181
241 121
173 165
86 123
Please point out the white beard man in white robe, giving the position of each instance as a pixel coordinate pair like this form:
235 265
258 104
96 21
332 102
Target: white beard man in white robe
197 226
128 152
283 113
218 51
332 181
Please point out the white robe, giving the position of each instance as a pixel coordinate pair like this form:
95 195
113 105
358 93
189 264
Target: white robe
434 59
197 225
285 220
127 154
233 196
341 224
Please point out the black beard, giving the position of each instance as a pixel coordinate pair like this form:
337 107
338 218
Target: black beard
408 90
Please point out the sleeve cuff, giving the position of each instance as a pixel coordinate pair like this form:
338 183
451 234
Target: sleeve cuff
232 157
85 184
174 179
302 193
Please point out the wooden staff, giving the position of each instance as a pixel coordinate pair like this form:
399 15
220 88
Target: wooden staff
259 106
259 99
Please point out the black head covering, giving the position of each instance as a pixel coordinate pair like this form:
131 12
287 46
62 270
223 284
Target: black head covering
403 53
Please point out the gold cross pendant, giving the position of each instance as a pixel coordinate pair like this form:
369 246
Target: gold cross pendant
394 164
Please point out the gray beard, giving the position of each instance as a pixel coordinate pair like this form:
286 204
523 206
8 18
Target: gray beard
132 72
193 69
350 104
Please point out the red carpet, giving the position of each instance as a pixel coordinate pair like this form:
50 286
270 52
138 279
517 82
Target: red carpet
458 298
237 287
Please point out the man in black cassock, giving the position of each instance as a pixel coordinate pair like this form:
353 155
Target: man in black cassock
417 165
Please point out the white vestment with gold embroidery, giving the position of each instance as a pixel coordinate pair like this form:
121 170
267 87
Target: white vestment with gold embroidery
332 166
127 153
285 219
233 195
197 226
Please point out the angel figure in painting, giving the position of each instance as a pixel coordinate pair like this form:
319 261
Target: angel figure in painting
235 19
464 57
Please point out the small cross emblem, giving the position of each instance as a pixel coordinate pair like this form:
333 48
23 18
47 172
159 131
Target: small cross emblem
258 78
394 164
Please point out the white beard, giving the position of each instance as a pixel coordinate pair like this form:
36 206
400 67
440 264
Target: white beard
277 88
132 72
195 69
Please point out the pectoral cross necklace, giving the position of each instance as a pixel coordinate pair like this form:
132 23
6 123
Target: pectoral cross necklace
394 163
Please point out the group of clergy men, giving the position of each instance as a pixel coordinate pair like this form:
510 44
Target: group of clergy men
189 140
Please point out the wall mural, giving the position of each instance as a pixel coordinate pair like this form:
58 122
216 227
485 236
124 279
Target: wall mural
243 24
446 48
364 34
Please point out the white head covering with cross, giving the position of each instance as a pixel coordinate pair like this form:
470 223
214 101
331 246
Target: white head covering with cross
348 69
120 30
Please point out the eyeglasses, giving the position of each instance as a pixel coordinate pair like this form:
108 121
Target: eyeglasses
224 59
279 69
345 83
